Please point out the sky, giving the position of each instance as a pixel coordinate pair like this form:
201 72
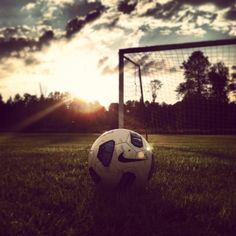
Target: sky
72 45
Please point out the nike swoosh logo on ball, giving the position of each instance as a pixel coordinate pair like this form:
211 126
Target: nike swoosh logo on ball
121 158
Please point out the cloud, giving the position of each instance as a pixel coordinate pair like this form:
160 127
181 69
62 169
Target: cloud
108 23
106 67
102 61
222 25
17 32
12 45
197 13
191 29
127 6
45 15
76 24
166 31
218 3
231 14
192 15
165 10
108 70
151 64
31 60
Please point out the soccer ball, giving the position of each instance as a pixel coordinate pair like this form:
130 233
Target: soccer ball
122 159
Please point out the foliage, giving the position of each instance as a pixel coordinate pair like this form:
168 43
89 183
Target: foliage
192 115
203 79
58 113
155 86
195 73
218 78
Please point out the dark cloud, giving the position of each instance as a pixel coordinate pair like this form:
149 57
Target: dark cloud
46 37
76 24
169 9
194 15
163 11
127 6
231 14
14 46
81 8
93 15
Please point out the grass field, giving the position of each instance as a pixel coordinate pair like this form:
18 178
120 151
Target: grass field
45 188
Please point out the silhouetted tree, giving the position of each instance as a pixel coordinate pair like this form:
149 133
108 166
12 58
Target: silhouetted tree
195 74
232 83
155 86
219 81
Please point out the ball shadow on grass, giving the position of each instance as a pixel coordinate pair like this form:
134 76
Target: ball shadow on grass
138 212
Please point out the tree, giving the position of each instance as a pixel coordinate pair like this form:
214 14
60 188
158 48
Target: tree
195 75
218 78
232 84
155 85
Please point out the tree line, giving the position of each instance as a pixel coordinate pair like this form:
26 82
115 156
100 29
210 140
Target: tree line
57 112
207 105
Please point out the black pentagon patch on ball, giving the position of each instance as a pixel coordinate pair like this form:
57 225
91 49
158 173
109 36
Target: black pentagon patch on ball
95 177
105 152
136 140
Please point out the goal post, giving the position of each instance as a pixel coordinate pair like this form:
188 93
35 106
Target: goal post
148 75
121 91
122 57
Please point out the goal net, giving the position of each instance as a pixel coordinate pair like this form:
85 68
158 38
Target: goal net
179 88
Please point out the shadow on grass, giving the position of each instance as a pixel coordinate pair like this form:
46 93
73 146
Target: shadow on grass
140 213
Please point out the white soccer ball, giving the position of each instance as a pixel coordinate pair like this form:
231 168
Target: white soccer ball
121 158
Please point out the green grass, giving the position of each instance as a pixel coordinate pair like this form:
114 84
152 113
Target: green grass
45 188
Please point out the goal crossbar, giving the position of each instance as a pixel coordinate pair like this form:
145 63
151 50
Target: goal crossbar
177 46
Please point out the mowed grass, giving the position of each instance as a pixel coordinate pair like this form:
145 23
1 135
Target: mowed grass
45 188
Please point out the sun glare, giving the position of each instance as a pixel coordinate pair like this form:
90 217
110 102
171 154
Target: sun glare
76 70
69 68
